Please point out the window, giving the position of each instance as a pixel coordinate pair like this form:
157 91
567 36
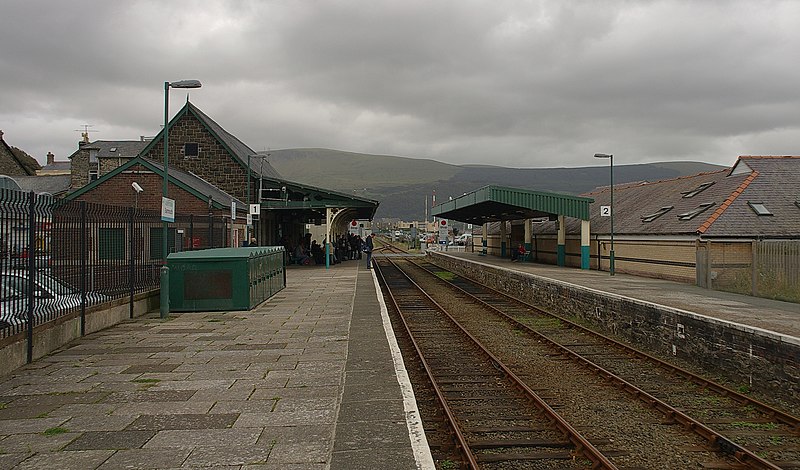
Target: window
111 243
94 174
697 190
191 150
759 208
655 215
695 212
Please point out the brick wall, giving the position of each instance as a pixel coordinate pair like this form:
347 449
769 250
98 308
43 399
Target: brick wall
673 260
746 357
118 191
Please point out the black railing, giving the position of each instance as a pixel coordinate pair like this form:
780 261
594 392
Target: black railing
59 257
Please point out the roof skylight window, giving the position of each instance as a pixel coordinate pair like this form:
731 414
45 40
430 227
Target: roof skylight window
695 212
759 208
697 190
657 214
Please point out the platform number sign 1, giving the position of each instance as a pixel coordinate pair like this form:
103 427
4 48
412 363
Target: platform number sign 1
605 211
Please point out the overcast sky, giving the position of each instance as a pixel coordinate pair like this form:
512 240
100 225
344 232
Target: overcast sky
511 83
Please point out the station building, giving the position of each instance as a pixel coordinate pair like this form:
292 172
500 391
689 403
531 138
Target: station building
203 155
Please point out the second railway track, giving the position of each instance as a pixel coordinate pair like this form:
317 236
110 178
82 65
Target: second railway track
650 414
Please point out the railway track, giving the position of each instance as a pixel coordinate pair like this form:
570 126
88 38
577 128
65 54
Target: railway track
493 416
720 428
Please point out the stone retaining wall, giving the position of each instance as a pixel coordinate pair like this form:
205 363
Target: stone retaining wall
746 356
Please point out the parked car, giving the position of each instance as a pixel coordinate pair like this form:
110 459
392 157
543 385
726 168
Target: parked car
11 303
50 295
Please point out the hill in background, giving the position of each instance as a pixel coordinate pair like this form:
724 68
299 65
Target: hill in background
401 184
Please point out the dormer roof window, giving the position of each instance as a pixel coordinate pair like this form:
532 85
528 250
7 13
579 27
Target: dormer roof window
696 211
657 214
697 190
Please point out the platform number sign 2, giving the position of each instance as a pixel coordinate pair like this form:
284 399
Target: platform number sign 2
605 211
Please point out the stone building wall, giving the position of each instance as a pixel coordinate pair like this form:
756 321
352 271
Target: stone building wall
8 164
79 169
214 164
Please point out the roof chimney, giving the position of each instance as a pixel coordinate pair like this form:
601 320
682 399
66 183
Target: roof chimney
1 135
50 158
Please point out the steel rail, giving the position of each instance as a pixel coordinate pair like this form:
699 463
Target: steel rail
461 440
715 439
582 445
764 408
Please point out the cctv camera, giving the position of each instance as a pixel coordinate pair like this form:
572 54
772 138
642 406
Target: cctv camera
136 187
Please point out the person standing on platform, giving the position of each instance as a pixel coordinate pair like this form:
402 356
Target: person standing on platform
368 246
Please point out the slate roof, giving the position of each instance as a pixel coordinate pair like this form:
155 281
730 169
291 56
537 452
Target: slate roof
114 148
769 180
238 149
775 183
52 184
56 167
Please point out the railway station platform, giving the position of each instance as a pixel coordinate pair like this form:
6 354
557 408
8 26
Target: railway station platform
782 318
310 379
753 343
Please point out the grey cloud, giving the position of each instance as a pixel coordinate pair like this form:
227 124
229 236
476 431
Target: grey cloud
544 83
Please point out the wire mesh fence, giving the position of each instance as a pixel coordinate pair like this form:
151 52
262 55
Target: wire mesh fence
61 257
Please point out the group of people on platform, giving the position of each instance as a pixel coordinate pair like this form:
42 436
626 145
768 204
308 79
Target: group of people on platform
307 251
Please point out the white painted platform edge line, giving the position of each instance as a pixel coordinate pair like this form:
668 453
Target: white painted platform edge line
416 432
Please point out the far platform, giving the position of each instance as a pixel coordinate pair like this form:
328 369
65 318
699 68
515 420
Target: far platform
773 315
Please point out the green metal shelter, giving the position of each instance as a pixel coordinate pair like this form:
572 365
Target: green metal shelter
500 203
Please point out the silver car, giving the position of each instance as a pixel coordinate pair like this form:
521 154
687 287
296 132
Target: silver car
50 296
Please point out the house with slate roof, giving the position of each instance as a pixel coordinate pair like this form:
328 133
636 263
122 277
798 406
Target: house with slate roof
735 229
95 159
200 147
11 161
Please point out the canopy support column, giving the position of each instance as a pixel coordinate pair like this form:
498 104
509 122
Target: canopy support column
585 251
562 242
502 238
484 235
528 235
328 220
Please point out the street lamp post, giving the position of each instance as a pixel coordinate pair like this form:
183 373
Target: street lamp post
611 253
164 269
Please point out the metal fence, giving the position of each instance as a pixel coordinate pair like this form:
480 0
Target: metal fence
763 268
60 257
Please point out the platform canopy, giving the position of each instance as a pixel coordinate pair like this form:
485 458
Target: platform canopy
497 203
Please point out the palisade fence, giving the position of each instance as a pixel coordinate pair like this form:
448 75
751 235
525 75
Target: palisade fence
60 257
763 268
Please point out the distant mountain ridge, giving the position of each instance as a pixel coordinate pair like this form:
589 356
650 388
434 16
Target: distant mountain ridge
401 183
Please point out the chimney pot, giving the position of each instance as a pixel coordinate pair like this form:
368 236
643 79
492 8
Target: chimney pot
50 158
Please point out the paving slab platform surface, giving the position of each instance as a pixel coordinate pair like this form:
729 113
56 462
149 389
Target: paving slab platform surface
779 317
307 380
